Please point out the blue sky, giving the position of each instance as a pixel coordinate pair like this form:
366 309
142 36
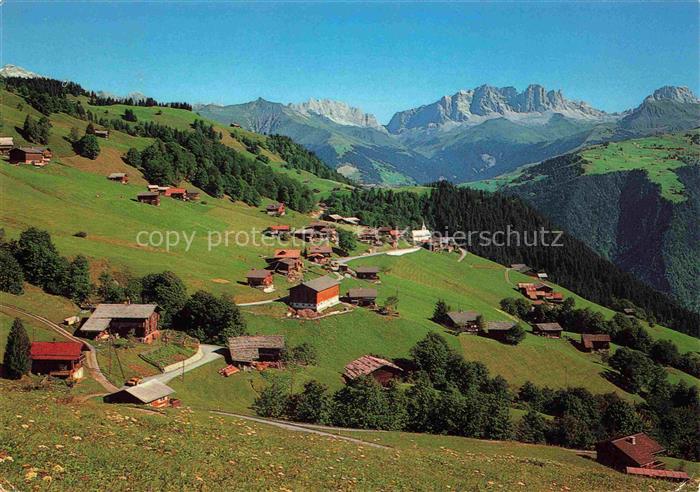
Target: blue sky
382 57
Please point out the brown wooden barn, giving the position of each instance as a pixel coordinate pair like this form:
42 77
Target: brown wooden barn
58 359
193 195
101 133
141 320
276 209
367 272
122 178
317 294
368 365
276 230
6 144
149 198
177 193
30 155
259 278
463 321
638 450
362 297
591 342
497 329
256 348
152 393
286 261
319 254
548 330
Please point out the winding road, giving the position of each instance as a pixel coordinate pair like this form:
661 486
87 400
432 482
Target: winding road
210 354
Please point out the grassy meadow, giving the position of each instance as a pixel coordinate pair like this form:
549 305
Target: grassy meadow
51 441
658 156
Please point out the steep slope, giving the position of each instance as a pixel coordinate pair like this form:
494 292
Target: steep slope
635 202
362 152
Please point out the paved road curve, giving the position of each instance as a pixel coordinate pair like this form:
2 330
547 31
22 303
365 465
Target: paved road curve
211 353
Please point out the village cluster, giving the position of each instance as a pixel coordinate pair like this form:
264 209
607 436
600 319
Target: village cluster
635 454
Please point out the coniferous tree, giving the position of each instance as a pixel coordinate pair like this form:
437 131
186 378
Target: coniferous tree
11 276
16 361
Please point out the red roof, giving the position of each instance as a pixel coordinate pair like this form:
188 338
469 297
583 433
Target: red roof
56 350
638 447
287 253
279 227
649 472
175 191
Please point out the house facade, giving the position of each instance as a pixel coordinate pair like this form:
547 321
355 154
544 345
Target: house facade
139 320
318 294
58 359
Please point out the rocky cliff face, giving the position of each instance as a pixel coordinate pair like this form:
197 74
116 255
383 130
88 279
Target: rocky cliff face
476 105
338 112
671 93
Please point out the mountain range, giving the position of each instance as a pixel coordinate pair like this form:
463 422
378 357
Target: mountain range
471 135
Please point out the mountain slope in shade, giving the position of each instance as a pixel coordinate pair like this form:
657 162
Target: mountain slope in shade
361 152
472 135
15 71
635 202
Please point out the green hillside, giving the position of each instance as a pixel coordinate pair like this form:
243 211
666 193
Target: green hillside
634 201
52 442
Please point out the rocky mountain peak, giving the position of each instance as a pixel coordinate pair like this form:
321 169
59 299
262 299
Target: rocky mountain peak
338 112
484 102
673 93
15 71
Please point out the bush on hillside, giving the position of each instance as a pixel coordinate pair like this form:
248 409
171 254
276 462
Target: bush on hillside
11 276
88 146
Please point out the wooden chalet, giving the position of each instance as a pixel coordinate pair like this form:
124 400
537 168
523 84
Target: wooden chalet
463 321
381 370
276 209
362 297
162 190
101 133
591 342
58 359
286 261
177 193
141 320
152 393
318 294
540 291
149 198
153 188
547 330
319 254
37 156
369 235
256 348
441 244
636 454
122 178
497 329
277 230
367 272
193 195
6 144
259 278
